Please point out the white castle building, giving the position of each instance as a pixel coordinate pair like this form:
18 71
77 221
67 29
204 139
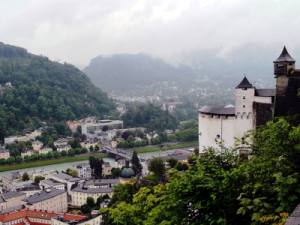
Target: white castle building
253 107
223 124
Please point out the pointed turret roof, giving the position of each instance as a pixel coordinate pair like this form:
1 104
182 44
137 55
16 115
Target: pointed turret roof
245 83
285 56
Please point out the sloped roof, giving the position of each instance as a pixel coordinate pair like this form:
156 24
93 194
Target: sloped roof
44 195
245 83
265 92
92 190
285 56
12 194
27 215
217 110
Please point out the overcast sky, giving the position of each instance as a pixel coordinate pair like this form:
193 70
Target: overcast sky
77 30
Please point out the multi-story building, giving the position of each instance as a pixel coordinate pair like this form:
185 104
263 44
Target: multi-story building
52 200
101 125
7 180
65 179
62 144
4 153
29 189
11 199
27 153
50 183
81 192
37 145
106 169
84 170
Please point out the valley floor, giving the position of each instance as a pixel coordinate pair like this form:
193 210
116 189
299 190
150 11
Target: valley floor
66 159
167 146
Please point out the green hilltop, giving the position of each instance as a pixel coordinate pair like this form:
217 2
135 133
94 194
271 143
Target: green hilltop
35 89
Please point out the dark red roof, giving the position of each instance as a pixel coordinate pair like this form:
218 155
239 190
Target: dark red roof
27 215
74 217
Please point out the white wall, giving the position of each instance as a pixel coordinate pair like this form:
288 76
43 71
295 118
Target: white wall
210 127
244 99
263 99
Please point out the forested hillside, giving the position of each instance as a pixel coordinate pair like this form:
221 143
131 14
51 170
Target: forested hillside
35 89
149 116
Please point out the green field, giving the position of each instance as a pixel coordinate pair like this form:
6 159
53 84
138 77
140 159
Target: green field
47 162
156 148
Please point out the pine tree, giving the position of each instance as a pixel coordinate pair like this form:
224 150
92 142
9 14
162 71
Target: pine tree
136 164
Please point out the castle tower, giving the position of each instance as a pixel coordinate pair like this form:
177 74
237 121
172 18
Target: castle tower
284 66
287 101
244 98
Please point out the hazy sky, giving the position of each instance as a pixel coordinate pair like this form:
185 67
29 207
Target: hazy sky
77 30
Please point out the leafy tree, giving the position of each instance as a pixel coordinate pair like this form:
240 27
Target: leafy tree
123 193
96 166
37 179
115 172
181 166
85 209
148 116
136 164
91 148
90 202
72 172
172 162
25 176
218 188
157 166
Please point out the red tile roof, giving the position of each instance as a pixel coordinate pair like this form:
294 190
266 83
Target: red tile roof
74 217
27 214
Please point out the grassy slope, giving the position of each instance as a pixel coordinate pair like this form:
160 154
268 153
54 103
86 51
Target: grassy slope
47 162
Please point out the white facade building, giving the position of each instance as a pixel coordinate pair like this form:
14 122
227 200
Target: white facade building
220 126
52 200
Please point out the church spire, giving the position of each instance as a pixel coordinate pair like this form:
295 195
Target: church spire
285 56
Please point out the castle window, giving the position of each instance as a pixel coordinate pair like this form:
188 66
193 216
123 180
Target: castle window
244 106
244 97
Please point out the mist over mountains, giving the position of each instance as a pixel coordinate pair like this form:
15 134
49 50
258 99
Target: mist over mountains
122 73
118 73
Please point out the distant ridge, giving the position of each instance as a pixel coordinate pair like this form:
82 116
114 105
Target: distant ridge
124 71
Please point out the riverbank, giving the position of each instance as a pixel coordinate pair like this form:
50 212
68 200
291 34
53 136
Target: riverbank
156 148
67 159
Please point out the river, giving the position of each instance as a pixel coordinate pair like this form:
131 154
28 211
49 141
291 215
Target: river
64 166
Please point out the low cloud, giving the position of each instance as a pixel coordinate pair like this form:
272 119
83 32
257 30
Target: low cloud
76 30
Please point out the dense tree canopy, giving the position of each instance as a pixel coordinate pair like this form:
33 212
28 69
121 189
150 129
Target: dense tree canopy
148 116
221 188
35 89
